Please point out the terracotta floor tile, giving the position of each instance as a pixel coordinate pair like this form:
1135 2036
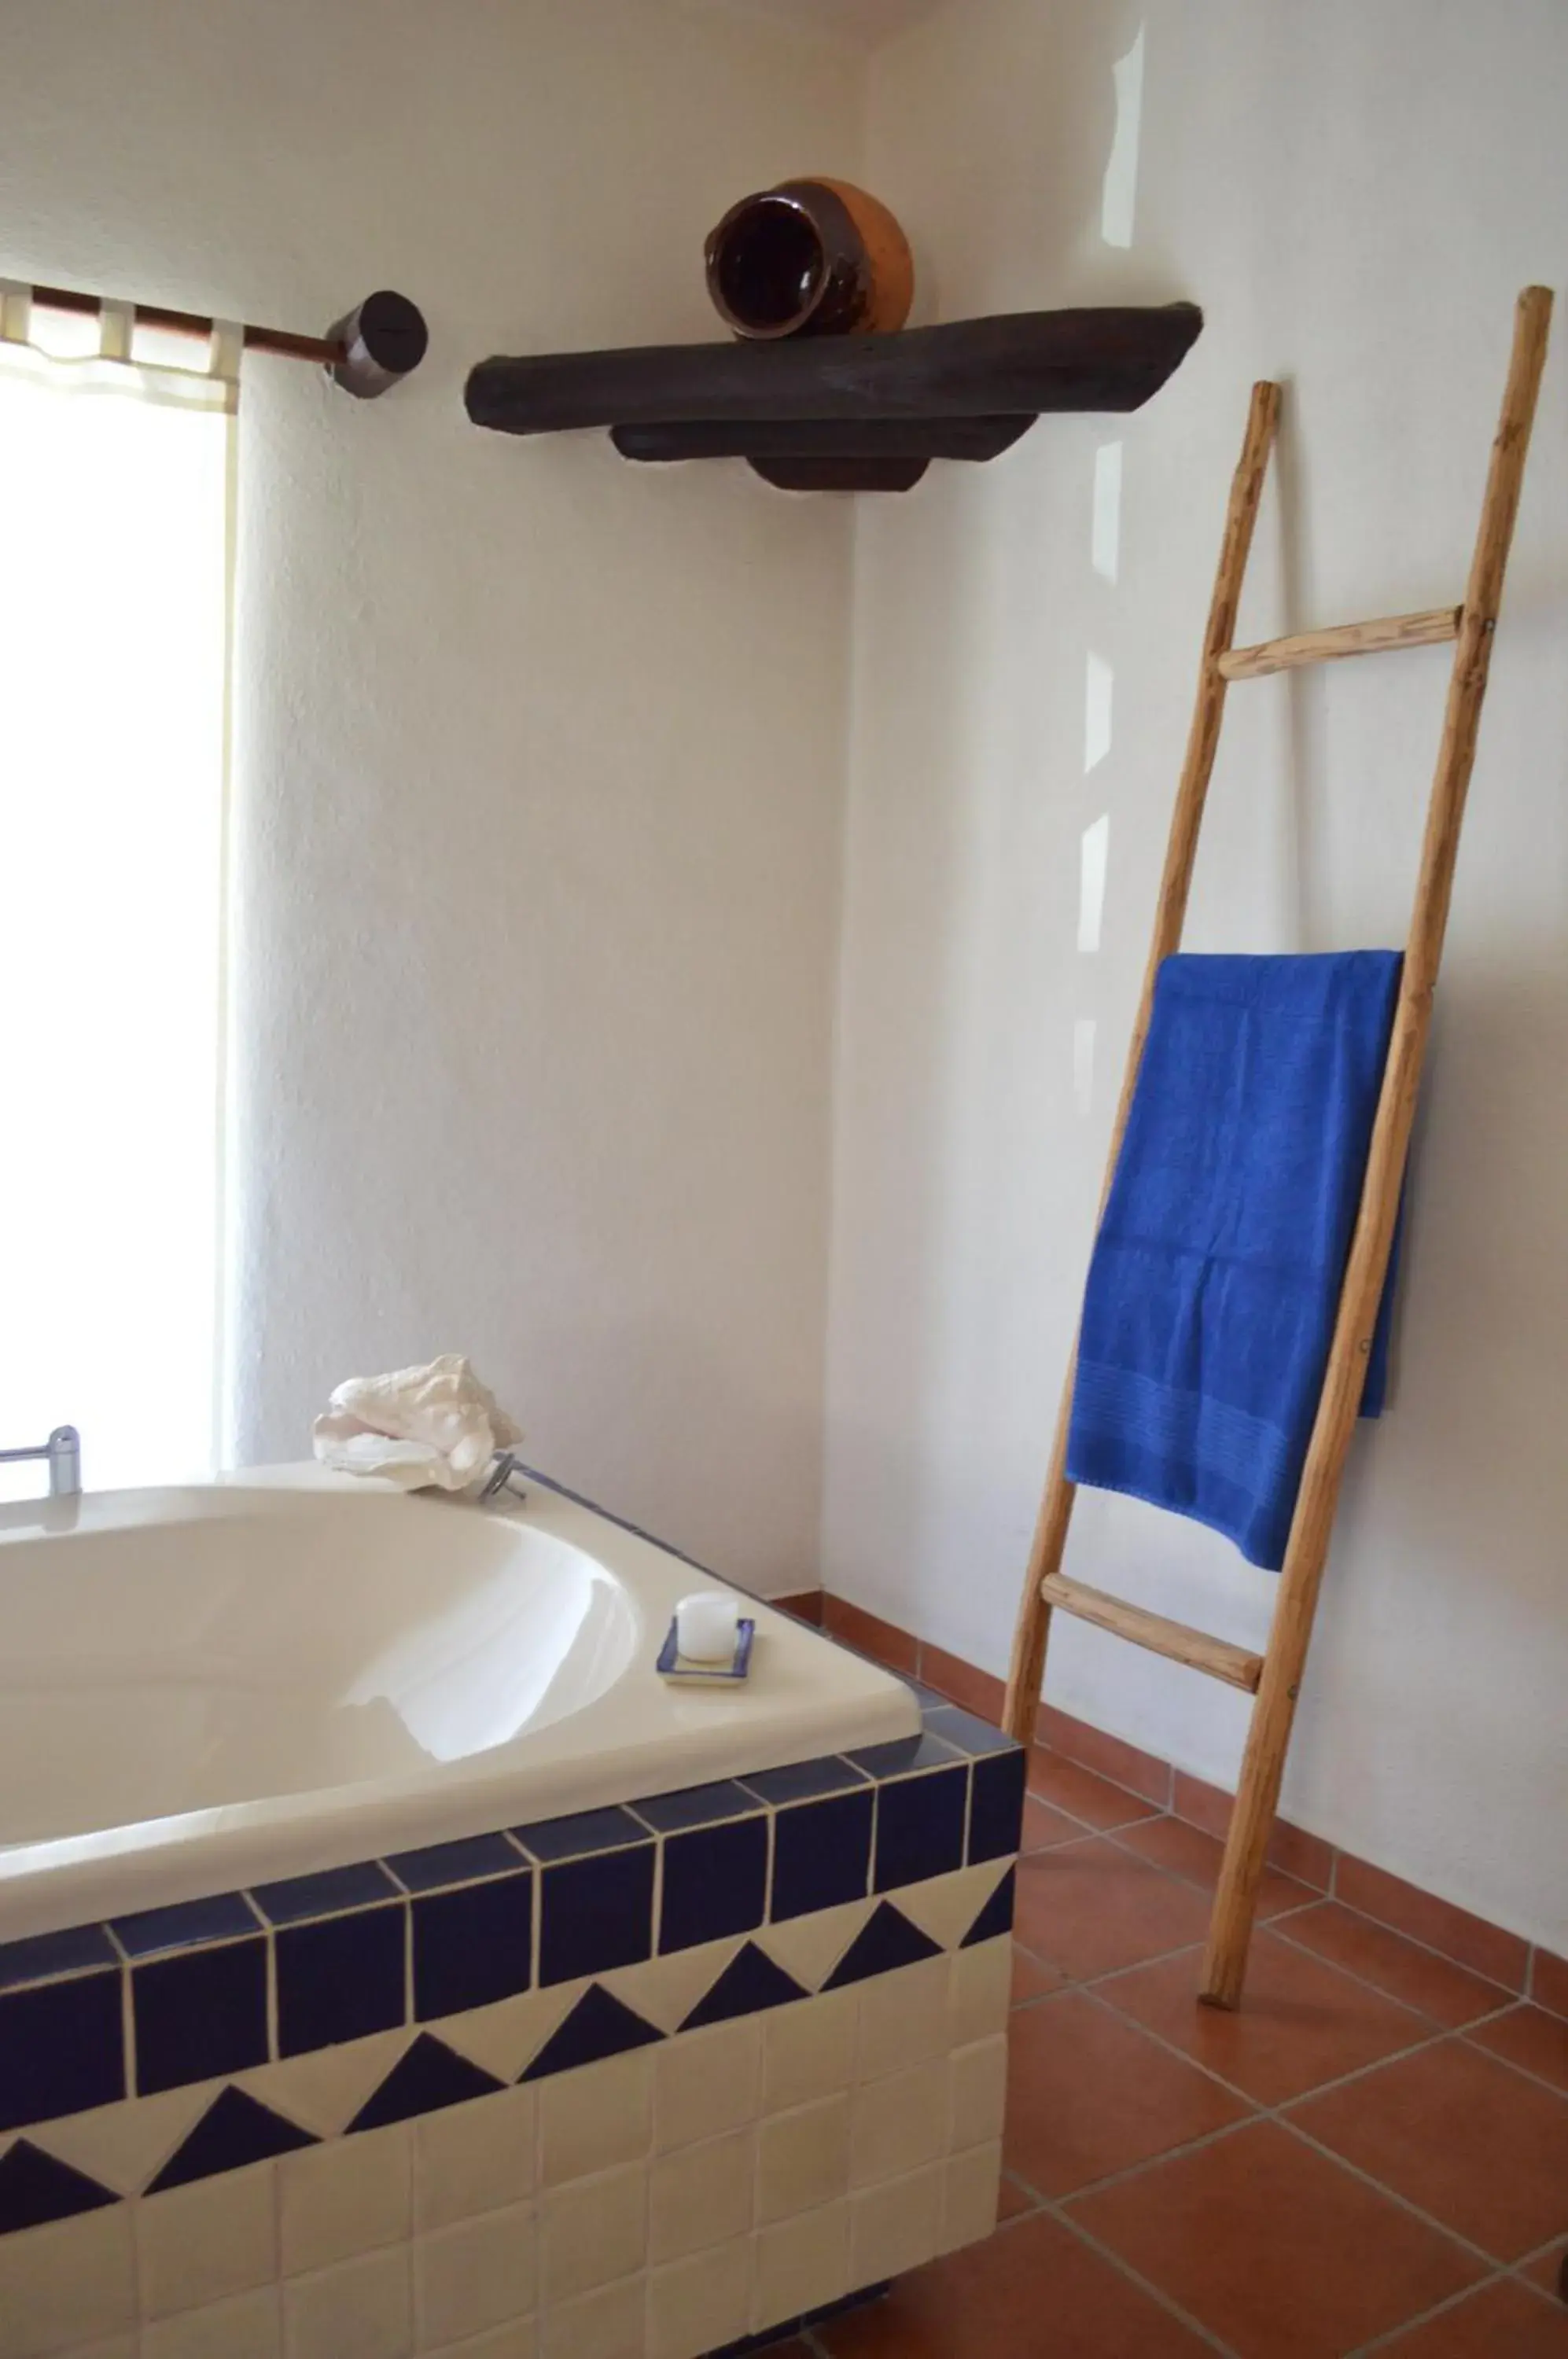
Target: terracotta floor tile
1089 2094
883 1641
1301 2022
1082 1794
1486 1949
977 1692
1276 2250
1089 1908
1109 1757
1013 2199
1291 1849
1550 2270
1501 2321
1033 2288
1549 1982
1530 2037
1451 1994
1032 1978
1044 1828
1185 1851
1477 2146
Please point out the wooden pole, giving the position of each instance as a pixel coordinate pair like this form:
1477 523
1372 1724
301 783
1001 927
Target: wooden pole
1230 1932
1026 1673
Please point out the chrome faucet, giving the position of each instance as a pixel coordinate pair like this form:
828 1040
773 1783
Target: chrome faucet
506 1464
63 1451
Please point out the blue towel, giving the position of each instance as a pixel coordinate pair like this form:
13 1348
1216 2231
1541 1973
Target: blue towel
1216 1277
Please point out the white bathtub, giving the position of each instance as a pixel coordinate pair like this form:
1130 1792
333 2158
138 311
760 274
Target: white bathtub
207 1688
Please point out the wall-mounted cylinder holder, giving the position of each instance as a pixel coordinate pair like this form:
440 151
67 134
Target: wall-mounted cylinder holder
809 257
382 341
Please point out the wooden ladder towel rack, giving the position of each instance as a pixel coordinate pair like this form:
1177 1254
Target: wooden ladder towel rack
1274 1678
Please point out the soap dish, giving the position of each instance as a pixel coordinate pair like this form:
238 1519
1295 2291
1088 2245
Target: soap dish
674 1665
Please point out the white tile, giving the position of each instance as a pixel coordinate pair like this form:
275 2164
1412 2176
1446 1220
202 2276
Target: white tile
903 2017
980 1991
706 2082
896 2226
504 2038
347 2196
592 2119
325 2091
899 2122
66 2283
808 2049
946 1905
811 1947
125 2146
970 2185
475 2157
248 2327
803 2159
701 2195
799 2263
979 2093
202 2243
611 2325
480 2273
700 2304
665 1990
359 2309
591 2233
519 2340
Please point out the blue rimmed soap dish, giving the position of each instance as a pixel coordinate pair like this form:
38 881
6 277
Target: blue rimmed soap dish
676 1666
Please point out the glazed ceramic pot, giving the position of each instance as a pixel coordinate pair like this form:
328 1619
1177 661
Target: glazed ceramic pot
811 257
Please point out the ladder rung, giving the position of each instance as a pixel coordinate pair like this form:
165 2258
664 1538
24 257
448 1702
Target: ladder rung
1194 1647
1349 639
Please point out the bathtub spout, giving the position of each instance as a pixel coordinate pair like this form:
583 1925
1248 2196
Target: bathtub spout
499 1479
63 1451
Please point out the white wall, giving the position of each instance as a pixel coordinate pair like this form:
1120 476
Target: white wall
1354 194
539 756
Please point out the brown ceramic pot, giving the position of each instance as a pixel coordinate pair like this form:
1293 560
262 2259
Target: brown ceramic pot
811 257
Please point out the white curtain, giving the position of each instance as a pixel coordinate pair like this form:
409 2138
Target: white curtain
115 508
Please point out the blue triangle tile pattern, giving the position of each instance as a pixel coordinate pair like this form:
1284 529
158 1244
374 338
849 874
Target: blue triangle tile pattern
426 2076
598 2025
750 1983
884 1943
235 2129
997 1916
36 2187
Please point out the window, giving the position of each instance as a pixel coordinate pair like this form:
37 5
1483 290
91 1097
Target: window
114 544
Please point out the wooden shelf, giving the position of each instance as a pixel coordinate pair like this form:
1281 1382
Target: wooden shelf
845 413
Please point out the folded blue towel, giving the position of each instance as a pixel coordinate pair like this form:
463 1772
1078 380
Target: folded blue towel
1216 1277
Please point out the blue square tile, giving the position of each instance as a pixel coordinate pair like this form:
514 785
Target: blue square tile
903 1754
996 1805
340 1978
596 1913
715 1882
61 2050
920 1827
189 1925
968 1732
44 1955
199 2014
326 1895
584 1832
472 1946
442 1864
696 1805
821 1852
803 1781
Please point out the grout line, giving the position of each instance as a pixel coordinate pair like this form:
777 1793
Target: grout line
1537 2081
1054 2208
1424 2317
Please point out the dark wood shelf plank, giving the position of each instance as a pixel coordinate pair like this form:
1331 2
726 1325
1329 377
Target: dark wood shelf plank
1016 364
823 438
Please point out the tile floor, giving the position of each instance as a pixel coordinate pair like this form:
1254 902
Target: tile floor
1371 2158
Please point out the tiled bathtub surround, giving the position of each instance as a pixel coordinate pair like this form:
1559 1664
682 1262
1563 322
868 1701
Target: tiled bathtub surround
627 2086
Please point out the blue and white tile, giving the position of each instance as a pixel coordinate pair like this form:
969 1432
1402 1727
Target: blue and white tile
125 2146
68 2283
947 1906
809 1948
324 2089
666 1990
504 2037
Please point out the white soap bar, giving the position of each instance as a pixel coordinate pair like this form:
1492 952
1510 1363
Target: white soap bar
707 1627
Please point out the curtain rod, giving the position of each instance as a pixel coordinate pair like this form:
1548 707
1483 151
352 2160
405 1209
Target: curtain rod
366 351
